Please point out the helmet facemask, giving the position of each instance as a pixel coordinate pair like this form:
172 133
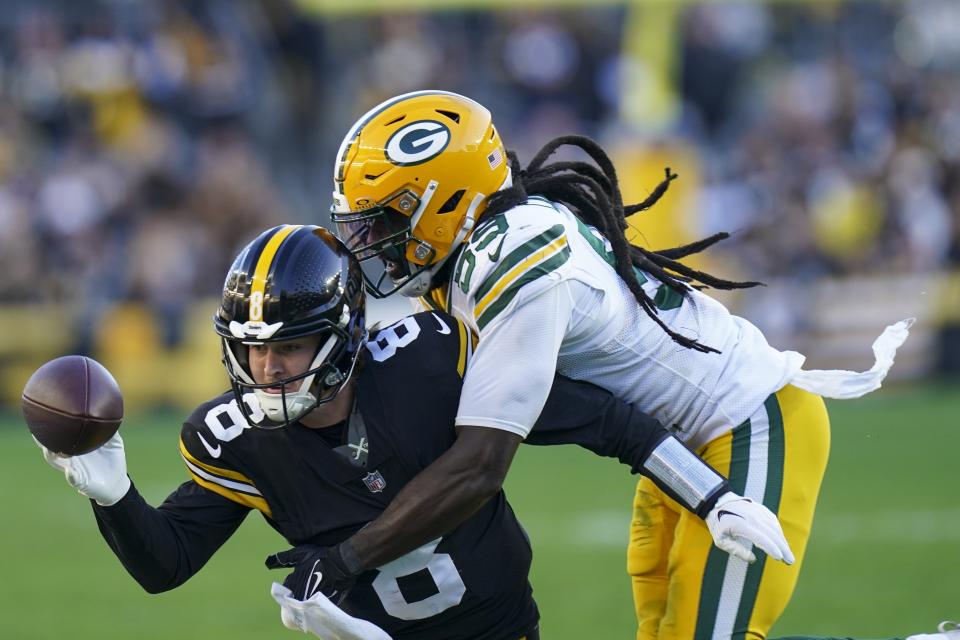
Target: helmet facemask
299 394
385 232
297 284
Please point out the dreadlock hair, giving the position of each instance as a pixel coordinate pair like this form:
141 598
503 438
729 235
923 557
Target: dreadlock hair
592 193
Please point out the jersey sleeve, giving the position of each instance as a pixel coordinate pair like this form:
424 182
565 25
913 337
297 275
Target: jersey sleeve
161 548
509 286
511 258
583 414
512 370
430 342
208 457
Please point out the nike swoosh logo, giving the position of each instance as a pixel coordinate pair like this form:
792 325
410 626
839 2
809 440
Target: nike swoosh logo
312 589
724 512
213 451
495 255
444 328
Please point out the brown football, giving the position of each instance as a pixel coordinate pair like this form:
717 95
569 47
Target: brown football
72 405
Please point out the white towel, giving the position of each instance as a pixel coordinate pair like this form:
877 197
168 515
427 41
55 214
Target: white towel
841 384
322 618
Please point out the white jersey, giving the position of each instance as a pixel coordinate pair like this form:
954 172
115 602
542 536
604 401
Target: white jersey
537 286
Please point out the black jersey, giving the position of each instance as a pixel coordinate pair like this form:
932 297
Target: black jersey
472 582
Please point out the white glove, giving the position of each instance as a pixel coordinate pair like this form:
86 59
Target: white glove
100 475
737 523
322 618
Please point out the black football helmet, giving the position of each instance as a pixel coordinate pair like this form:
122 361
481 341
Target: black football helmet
292 281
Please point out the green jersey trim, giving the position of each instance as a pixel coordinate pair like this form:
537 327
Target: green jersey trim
510 292
515 257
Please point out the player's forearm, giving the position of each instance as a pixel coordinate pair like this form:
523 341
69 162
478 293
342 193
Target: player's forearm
437 500
421 512
580 413
142 541
163 548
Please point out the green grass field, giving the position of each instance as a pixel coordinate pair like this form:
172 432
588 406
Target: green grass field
884 559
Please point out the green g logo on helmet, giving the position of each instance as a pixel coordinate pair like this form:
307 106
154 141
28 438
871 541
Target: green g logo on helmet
417 142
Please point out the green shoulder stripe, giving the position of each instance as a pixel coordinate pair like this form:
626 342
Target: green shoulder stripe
511 291
666 298
517 256
596 241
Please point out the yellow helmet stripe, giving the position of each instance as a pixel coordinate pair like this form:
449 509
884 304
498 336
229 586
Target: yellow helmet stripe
259 284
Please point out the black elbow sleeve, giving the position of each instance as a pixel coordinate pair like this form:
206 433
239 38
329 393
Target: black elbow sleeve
582 414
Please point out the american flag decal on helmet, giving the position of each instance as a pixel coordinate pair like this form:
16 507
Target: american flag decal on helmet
495 157
375 482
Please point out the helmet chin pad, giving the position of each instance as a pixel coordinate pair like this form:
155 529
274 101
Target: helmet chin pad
297 404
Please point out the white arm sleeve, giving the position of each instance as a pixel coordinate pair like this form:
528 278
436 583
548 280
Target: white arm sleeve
511 373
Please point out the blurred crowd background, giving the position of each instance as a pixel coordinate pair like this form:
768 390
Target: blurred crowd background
143 143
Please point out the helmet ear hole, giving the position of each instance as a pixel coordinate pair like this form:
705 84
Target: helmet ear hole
452 202
453 115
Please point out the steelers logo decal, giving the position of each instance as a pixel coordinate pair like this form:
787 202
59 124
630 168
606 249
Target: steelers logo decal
417 142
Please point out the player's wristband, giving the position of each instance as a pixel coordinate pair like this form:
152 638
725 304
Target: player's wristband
684 476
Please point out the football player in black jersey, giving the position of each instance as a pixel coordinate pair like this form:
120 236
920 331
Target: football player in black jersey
318 434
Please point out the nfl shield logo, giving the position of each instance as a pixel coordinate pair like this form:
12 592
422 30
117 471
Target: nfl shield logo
375 482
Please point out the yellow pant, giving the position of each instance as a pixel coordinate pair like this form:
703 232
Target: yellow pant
685 588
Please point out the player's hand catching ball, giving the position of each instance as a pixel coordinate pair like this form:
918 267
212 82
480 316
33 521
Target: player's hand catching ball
737 524
73 408
101 475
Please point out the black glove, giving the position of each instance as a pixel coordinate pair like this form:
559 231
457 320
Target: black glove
316 569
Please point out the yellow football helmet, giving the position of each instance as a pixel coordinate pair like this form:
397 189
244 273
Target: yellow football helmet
410 181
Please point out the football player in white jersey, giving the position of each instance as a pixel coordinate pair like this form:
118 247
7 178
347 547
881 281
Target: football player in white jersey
536 263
